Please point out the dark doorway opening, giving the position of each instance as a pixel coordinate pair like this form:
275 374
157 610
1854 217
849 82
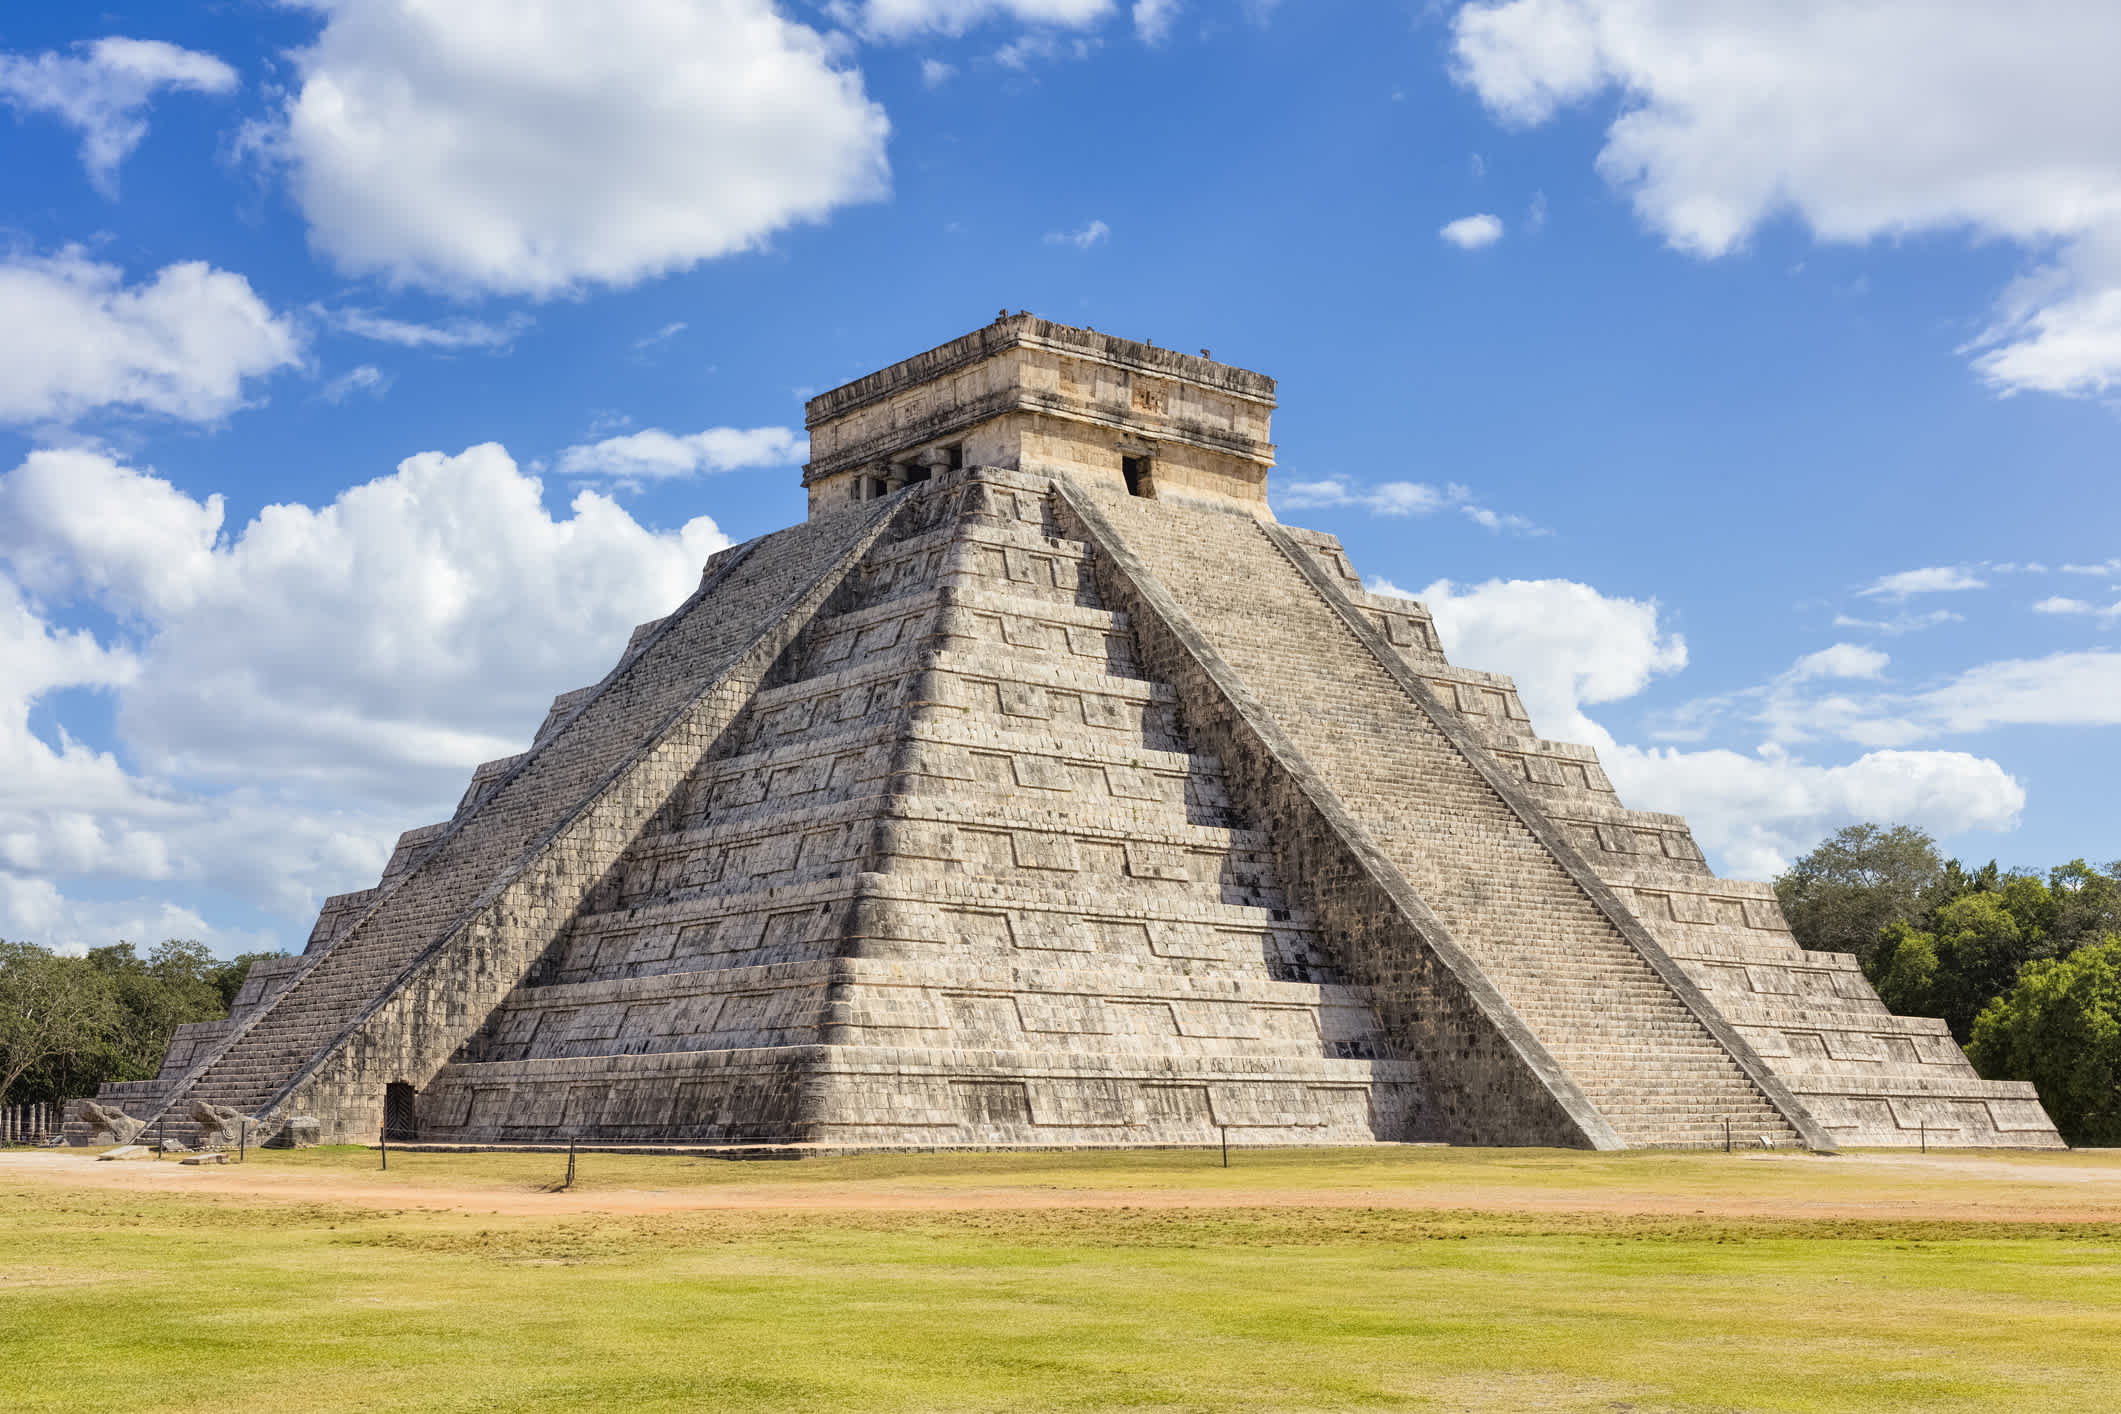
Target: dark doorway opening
401 1119
1136 470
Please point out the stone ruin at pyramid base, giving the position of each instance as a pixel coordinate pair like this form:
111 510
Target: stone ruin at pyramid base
1042 789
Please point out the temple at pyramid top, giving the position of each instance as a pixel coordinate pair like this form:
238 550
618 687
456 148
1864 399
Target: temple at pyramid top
1041 789
1027 394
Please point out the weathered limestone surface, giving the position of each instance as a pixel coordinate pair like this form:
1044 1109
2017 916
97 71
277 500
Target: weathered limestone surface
1041 789
1812 1019
400 985
954 876
1027 394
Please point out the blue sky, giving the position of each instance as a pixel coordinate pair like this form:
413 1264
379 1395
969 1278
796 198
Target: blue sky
1743 384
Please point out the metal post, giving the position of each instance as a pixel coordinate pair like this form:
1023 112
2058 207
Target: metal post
1726 1136
1226 1144
570 1165
383 1138
243 1143
161 1135
1922 1127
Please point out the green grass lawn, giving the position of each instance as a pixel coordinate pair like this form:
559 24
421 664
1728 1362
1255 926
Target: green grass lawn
189 1300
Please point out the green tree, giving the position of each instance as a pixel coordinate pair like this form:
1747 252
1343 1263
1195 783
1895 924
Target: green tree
140 1004
1905 969
1980 945
1844 893
2087 903
2059 1026
52 1010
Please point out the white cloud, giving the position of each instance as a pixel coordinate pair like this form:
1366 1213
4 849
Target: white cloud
1901 623
663 335
935 73
2062 689
2081 689
79 338
1843 660
1500 521
102 93
36 909
1473 232
539 146
1096 233
2059 605
1023 52
1389 498
1399 498
1565 643
898 19
1881 119
1754 814
1936 580
2103 568
1153 19
1569 646
292 694
362 378
653 454
450 336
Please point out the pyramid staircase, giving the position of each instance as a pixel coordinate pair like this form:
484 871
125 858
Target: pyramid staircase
1811 1019
952 877
1654 1062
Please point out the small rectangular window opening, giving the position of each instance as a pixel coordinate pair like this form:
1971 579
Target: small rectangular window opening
1136 471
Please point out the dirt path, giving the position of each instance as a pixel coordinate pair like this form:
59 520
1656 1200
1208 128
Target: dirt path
1854 1186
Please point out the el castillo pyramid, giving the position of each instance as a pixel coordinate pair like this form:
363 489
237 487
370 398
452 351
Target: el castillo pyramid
1042 789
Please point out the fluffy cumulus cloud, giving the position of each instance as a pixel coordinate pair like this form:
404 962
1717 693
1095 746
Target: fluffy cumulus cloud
656 455
1870 120
1570 647
104 88
182 344
1754 814
1473 232
539 146
1565 643
292 692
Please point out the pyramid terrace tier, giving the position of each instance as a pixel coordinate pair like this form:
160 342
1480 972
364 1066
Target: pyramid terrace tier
955 998
886 1097
903 915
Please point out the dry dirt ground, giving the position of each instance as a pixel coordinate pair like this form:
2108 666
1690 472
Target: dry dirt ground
2084 1186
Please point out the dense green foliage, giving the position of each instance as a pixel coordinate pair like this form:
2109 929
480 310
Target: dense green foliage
67 1024
2013 960
2060 1027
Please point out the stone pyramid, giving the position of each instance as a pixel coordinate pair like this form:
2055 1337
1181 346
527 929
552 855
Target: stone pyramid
1042 789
